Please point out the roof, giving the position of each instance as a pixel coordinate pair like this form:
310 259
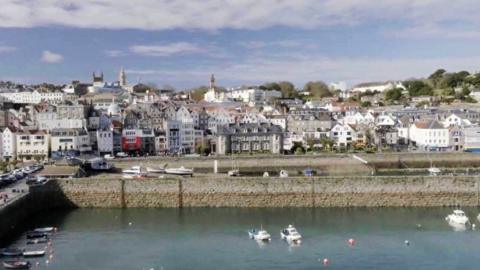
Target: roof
252 128
432 124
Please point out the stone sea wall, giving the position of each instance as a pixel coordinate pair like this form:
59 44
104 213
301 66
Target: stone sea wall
263 192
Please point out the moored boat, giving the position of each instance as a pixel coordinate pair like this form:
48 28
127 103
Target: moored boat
37 241
179 171
34 234
260 235
11 252
291 235
155 170
45 229
34 253
234 172
283 173
16 264
458 217
133 172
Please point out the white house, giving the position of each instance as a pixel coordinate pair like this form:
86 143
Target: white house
343 134
385 121
430 135
472 139
9 144
456 121
187 139
75 139
32 145
104 141
253 95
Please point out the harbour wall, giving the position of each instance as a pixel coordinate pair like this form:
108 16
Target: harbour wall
375 191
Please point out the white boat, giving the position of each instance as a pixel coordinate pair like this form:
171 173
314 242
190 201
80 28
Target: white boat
259 235
155 170
133 172
108 157
290 234
34 253
100 164
234 172
457 217
45 229
434 171
283 173
122 154
179 171
265 174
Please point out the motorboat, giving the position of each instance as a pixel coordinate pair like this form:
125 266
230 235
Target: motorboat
11 252
34 253
16 264
108 157
290 234
45 229
134 171
457 217
122 154
100 164
37 241
309 172
434 171
234 172
283 173
156 170
259 235
266 174
179 171
34 235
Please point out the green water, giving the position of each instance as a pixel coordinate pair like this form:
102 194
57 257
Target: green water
217 239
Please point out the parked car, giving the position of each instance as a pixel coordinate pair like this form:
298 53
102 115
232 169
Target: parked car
122 154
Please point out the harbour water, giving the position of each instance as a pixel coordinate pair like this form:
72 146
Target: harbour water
209 238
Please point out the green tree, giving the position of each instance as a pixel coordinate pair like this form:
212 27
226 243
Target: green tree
418 88
436 76
271 86
318 89
198 93
394 94
366 104
288 89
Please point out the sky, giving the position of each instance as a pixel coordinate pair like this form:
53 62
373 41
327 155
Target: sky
180 43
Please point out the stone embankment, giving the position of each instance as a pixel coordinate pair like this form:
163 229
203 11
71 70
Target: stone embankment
263 192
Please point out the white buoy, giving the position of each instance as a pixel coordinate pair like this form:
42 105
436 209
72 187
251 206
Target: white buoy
407 243
129 223
473 226
326 262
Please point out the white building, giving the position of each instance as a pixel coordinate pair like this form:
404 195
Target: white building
104 141
253 95
430 135
213 94
34 97
50 120
74 139
9 144
472 139
343 134
456 121
32 145
187 138
377 86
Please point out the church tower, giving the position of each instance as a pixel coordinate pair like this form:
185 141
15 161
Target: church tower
122 78
212 82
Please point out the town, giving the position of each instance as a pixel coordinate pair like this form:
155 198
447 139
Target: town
115 119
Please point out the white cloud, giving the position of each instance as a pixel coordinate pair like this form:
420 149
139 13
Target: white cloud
220 14
114 53
7 49
166 49
51 57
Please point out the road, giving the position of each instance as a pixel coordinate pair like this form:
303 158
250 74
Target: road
12 196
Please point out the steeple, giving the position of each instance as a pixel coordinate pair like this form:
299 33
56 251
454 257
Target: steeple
212 81
122 78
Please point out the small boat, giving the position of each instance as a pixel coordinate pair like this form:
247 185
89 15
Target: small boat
11 252
259 235
434 171
34 253
283 173
133 172
309 172
37 241
457 217
155 170
34 235
100 164
290 234
235 172
266 174
45 229
16 264
179 171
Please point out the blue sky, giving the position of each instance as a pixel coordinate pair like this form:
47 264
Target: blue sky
180 43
